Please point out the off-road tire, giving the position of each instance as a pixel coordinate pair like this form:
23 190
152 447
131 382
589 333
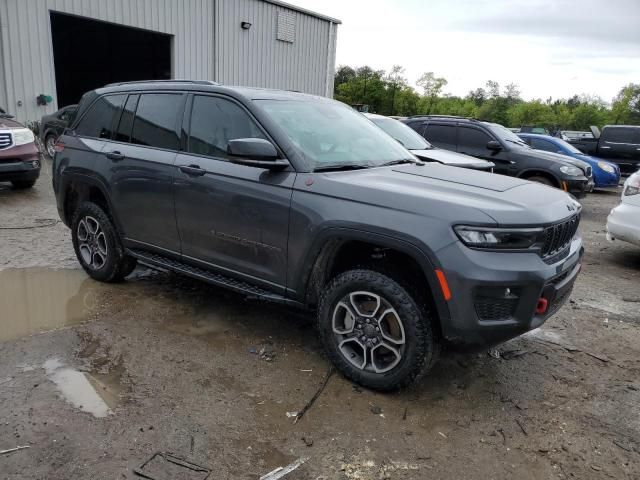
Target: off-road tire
23 184
117 264
421 344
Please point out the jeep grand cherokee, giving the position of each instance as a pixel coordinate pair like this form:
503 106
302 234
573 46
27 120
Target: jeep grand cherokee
300 200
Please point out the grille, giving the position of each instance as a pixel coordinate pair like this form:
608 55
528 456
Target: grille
558 237
491 308
5 140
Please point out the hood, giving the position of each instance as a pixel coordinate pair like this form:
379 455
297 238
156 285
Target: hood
555 157
7 123
450 194
452 158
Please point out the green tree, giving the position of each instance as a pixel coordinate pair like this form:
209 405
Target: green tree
432 87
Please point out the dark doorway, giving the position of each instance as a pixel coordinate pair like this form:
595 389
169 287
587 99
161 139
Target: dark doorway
89 54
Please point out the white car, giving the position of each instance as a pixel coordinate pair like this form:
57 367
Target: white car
624 220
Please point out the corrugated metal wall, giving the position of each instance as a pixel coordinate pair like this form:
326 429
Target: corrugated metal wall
208 43
28 50
256 58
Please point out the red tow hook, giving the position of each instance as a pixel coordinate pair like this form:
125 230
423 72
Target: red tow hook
541 308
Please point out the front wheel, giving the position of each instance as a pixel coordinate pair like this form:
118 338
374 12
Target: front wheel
374 331
97 245
49 144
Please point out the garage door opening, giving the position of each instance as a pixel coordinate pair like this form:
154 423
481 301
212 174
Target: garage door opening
89 54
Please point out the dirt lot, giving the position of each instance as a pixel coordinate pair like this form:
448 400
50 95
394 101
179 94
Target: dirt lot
163 363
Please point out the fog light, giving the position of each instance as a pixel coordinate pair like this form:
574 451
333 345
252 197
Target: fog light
35 164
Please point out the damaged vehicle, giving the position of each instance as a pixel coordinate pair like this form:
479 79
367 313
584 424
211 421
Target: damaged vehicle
300 200
19 155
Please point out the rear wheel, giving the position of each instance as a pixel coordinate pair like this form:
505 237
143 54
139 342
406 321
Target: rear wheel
49 144
97 245
23 184
374 331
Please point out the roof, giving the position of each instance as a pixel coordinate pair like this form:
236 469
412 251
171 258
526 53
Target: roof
303 10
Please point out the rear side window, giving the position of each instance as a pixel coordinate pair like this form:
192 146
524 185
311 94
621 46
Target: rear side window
215 121
99 121
155 123
545 145
472 139
620 135
123 133
441 135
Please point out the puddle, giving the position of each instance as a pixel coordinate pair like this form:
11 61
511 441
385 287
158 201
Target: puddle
96 394
35 300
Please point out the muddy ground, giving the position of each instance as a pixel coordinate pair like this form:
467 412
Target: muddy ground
97 378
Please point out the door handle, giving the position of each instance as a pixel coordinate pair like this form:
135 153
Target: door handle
194 170
116 156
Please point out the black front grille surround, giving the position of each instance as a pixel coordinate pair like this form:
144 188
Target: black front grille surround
6 140
495 309
557 238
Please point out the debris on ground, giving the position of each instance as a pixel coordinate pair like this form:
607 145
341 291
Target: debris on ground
292 414
375 409
165 466
308 441
494 352
2 452
310 403
282 471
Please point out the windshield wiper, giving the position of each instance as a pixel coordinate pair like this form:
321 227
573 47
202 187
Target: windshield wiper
399 162
337 167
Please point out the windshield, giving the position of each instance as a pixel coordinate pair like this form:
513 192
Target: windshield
569 147
506 134
330 133
406 135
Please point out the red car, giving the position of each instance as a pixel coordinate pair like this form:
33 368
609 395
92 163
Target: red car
19 156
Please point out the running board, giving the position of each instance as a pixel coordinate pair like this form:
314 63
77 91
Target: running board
155 260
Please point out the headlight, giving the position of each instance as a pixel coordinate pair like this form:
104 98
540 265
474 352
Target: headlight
22 136
499 238
633 186
607 167
571 171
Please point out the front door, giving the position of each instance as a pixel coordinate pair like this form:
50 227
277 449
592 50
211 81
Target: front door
231 218
473 141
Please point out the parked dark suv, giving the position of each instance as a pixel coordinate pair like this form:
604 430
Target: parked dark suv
300 200
510 154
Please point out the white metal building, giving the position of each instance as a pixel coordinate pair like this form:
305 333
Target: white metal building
61 48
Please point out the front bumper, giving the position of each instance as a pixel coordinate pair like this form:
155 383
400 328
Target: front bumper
622 224
579 186
20 163
497 296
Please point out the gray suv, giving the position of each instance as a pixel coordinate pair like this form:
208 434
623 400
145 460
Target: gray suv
301 200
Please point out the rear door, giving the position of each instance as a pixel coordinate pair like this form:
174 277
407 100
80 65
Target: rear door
139 164
232 218
442 135
618 142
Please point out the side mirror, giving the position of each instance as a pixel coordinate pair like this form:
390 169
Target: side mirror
255 152
494 145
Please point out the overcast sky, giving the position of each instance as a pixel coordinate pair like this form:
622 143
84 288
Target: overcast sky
548 47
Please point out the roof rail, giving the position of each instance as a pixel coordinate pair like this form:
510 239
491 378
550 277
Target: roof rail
444 116
134 82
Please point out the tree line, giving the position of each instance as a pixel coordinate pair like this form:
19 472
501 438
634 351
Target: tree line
389 93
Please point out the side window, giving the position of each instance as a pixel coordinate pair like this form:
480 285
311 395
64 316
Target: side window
472 140
443 136
99 120
123 133
156 120
68 114
618 135
215 121
540 144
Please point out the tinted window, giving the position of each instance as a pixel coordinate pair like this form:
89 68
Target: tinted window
99 120
472 139
156 120
123 133
618 135
441 135
215 121
540 144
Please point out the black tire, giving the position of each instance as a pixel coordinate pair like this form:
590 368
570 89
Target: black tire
420 346
23 184
542 180
116 265
50 138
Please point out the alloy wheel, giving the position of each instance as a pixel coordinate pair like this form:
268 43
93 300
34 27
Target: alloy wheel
92 243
